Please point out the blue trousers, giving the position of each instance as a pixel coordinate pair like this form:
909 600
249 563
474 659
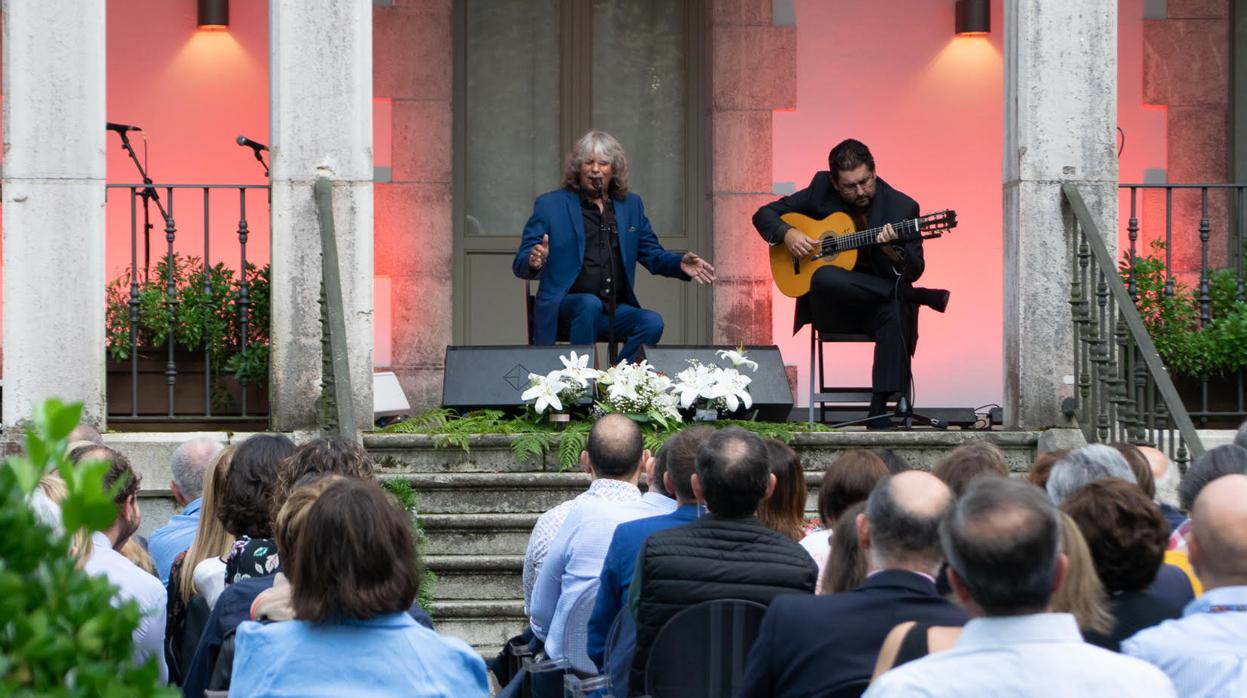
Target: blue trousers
583 316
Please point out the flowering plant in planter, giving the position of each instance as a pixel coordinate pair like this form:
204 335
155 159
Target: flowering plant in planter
562 388
711 390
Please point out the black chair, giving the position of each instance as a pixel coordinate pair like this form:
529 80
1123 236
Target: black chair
562 333
543 678
701 651
833 398
182 639
616 660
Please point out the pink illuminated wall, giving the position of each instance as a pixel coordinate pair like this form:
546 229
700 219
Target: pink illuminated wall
930 106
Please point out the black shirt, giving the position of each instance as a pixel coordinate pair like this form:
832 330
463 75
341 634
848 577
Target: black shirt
602 273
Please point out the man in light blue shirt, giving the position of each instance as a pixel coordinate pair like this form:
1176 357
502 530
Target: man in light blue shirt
1205 651
189 463
1003 543
614 456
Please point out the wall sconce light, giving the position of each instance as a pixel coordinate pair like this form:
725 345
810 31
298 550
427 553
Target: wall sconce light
974 17
214 15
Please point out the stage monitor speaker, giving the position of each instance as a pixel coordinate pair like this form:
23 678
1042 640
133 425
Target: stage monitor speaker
494 377
772 396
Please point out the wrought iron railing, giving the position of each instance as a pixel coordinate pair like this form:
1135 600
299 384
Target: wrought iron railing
225 305
1217 398
1123 392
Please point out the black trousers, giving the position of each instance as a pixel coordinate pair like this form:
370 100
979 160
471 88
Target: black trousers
855 302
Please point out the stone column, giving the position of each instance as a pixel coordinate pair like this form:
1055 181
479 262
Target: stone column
1060 120
53 187
320 78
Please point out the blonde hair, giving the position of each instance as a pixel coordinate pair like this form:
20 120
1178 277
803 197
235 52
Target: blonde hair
598 145
211 538
136 553
1082 594
52 487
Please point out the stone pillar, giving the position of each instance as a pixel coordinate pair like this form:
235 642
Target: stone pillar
320 77
753 71
1060 121
53 187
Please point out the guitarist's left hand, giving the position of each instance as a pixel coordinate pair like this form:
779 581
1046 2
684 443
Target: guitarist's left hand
699 269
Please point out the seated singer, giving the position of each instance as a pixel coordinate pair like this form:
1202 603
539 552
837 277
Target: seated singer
583 242
860 300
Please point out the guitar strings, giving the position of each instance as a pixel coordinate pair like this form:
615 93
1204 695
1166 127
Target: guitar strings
861 238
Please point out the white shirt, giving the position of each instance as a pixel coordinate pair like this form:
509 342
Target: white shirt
546 528
210 579
1040 655
818 545
136 585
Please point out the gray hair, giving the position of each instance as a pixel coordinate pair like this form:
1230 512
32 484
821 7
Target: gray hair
1226 459
598 145
1084 465
1167 485
1240 439
901 536
188 464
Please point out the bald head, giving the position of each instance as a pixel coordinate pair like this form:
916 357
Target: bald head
615 446
902 522
1218 539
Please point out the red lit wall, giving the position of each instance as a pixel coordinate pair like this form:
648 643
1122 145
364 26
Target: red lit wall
930 106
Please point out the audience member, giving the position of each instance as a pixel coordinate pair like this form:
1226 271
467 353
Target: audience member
727 554
895 462
1214 463
1084 465
1125 532
1003 543
1041 468
246 507
353 575
544 532
1203 652
656 496
846 565
134 551
968 461
188 464
784 511
817 645
104 560
1140 466
614 455
847 480
1165 476
1081 595
680 454
1240 437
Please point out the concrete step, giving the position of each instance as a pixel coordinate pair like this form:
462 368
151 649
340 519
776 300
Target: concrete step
477 577
477 534
485 625
493 493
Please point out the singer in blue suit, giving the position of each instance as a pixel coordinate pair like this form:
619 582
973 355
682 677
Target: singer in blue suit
583 242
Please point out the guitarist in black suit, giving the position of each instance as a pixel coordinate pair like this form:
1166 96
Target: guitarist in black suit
863 299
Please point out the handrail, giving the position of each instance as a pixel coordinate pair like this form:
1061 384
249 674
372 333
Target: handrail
1109 407
336 383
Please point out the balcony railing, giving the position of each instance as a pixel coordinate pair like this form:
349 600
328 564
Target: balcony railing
191 330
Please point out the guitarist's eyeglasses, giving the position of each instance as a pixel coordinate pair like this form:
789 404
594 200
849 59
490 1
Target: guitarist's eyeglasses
866 185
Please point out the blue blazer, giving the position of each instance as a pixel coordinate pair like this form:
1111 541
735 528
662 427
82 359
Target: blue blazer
558 215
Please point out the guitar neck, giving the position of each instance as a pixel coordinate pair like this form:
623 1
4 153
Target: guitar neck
863 238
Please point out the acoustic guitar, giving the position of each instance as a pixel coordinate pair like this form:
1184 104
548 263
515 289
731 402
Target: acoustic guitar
836 244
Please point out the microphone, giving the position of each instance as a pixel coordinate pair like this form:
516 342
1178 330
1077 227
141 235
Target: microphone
247 142
597 183
121 128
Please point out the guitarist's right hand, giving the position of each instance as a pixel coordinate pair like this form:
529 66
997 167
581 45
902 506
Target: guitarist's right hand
537 257
797 243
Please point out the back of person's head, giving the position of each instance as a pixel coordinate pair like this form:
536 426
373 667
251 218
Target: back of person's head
655 483
326 454
784 511
732 473
848 480
211 538
846 564
615 446
1214 463
1084 465
895 462
681 456
968 461
85 432
188 463
902 520
1139 466
1218 539
1003 542
1081 594
355 557
1124 530
1165 476
120 475
1240 437
1041 467
849 154
244 506
288 523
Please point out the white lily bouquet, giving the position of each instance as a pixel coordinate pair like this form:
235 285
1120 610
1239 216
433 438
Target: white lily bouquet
641 392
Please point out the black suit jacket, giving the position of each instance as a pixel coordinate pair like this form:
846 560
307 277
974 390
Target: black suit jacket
819 200
809 645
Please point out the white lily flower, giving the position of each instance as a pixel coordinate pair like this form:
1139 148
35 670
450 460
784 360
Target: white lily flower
546 390
733 387
737 358
697 381
576 367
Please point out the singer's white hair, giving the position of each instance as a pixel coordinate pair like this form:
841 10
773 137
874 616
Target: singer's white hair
597 145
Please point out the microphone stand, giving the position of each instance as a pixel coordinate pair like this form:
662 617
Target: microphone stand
608 227
149 195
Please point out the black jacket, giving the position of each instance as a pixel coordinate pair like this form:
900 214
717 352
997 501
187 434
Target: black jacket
809 645
819 200
709 559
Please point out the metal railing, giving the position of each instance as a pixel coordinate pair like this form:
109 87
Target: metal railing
1222 227
1123 392
221 306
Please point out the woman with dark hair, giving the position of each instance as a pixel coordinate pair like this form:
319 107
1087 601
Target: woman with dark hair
245 505
784 511
847 480
353 575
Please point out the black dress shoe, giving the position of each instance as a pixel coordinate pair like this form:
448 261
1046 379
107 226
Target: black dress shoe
934 298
